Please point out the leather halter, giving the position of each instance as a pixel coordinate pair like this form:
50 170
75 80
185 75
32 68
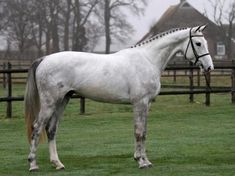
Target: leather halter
193 47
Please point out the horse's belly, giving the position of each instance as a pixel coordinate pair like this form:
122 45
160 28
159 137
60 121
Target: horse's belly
105 93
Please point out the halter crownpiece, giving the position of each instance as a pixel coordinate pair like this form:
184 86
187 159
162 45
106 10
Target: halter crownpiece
193 47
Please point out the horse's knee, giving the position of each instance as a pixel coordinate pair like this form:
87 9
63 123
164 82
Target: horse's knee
140 131
31 157
140 136
36 130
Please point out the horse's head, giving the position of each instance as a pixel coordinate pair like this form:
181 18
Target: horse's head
196 49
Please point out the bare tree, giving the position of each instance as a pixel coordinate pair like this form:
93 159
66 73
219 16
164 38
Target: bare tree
225 18
115 21
94 33
44 25
82 12
2 15
54 7
37 21
67 15
231 29
49 24
18 26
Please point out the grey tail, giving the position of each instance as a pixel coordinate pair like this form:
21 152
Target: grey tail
32 101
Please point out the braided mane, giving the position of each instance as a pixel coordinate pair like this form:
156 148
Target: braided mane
158 36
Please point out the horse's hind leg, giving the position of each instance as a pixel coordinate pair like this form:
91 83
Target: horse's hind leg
51 129
45 113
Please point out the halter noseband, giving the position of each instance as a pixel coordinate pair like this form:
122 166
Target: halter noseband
193 47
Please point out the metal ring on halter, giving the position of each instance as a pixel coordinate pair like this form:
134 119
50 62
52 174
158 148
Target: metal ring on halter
193 47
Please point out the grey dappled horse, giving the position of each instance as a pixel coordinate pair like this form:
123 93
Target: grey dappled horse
130 76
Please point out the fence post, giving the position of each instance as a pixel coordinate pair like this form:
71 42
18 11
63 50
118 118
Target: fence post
233 86
9 91
174 74
4 76
82 105
191 96
208 100
198 78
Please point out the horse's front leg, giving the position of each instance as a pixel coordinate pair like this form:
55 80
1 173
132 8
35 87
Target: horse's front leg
140 129
51 129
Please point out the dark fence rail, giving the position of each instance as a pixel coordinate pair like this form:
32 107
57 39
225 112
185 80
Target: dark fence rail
191 89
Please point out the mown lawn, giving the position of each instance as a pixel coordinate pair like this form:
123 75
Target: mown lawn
183 140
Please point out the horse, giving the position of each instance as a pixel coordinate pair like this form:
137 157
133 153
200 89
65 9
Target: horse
129 76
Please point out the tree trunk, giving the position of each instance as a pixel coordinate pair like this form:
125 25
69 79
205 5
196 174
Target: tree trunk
66 26
54 26
48 39
55 37
229 41
76 25
39 54
107 26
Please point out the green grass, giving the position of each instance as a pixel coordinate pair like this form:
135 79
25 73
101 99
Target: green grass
183 140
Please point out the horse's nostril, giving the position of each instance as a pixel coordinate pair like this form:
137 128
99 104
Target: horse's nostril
209 69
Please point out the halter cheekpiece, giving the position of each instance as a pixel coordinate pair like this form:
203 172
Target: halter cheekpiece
193 47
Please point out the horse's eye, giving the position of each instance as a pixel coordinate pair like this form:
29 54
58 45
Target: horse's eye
198 44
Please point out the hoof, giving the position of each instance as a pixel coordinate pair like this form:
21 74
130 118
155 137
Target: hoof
143 162
58 165
144 166
34 169
60 168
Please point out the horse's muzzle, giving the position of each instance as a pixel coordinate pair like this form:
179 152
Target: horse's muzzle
209 69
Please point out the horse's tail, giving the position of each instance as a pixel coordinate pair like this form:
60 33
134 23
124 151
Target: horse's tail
32 101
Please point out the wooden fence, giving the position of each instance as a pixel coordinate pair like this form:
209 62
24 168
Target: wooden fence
7 72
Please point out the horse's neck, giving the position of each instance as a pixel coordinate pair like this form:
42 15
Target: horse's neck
161 51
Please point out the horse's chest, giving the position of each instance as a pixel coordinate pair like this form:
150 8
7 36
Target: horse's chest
149 86
154 87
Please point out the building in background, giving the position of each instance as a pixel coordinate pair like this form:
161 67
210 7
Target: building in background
185 15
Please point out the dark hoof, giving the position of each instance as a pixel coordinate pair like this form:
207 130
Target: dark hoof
60 168
145 166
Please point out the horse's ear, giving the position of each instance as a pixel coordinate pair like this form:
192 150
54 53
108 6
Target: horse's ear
197 28
200 28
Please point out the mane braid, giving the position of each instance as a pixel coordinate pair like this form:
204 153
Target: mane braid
158 36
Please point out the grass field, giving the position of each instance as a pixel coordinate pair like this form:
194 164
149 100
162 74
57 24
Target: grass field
183 139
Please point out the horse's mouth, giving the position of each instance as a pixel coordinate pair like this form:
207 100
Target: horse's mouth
203 69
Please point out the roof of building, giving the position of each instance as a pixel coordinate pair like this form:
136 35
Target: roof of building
181 15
